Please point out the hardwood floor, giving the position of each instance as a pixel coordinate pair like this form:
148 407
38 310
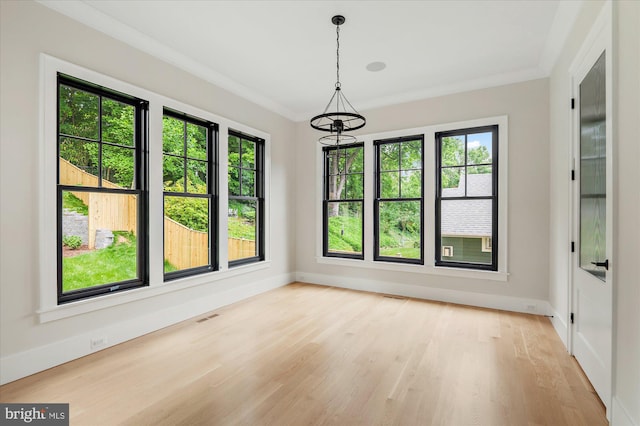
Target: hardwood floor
306 354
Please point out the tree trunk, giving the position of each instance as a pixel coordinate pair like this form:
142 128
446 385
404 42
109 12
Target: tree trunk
338 179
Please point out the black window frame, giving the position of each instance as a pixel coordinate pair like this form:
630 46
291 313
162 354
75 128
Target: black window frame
141 131
211 195
259 197
494 129
325 201
379 199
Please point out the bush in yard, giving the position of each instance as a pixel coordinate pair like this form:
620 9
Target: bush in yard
72 241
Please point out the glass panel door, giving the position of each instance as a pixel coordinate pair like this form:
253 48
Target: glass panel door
593 182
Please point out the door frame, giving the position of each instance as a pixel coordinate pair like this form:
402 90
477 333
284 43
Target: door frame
599 39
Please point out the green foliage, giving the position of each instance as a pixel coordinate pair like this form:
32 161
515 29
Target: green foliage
242 223
168 267
239 228
72 241
345 234
188 211
73 203
183 141
79 115
241 164
113 264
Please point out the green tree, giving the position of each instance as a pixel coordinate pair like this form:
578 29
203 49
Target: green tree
80 116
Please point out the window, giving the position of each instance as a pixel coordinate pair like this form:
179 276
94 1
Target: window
245 219
101 190
343 212
398 203
188 146
467 197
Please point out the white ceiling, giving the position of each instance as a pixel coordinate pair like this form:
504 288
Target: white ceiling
281 54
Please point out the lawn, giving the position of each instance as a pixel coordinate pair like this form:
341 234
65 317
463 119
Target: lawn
113 264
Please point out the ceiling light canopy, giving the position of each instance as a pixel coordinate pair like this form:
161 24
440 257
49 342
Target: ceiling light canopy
339 116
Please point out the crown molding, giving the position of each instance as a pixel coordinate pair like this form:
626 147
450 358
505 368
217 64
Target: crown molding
87 15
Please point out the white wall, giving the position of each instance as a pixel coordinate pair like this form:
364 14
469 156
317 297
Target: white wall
26 345
626 261
526 105
626 44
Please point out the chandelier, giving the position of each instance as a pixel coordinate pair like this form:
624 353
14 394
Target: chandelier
339 116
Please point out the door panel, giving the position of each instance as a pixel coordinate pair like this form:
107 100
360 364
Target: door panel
592 295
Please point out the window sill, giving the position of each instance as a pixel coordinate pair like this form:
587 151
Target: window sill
110 300
417 269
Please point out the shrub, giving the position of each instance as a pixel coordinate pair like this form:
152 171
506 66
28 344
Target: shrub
72 241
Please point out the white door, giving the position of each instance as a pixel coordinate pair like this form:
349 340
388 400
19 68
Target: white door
591 261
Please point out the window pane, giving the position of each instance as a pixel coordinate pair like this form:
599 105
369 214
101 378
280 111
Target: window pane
172 136
99 244
452 151
173 173
345 227
234 151
357 163
118 121
78 162
234 181
389 185
79 113
196 141
399 229
242 221
411 155
479 148
354 186
248 183
463 224
411 184
336 166
186 232
453 182
248 154
389 153
197 177
336 188
118 167
479 181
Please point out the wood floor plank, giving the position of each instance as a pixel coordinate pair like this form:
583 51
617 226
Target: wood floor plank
306 354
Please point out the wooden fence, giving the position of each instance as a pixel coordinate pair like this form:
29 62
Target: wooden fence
239 248
117 212
184 247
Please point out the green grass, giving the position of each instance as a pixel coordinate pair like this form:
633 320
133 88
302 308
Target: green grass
113 264
351 239
403 252
394 243
239 228
168 267
73 203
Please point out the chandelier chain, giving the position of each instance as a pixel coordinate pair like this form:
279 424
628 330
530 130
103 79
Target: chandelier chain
337 56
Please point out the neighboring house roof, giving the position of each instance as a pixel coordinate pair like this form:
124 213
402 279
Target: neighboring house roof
469 218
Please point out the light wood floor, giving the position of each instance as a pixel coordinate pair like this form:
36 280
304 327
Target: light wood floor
306 354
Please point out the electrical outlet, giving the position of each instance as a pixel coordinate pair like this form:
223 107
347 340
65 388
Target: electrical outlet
98 342
530 307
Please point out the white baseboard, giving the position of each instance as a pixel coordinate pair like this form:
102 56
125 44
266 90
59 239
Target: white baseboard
560 325
19 365
483 300
620 416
